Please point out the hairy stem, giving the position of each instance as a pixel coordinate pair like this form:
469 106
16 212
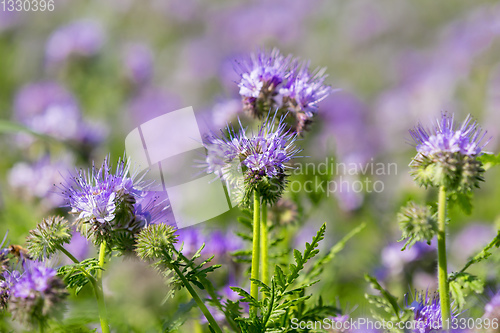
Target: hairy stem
254 288
198 300
264 247
99 293
97 286
444 291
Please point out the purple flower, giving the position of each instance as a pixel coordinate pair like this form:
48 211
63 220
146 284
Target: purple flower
37 294
37 180
427 313
262 73
44 106
35 279
270 81
93 195
263 156
191 240
138 63
108 204
9 280
305 89
81 38
447 137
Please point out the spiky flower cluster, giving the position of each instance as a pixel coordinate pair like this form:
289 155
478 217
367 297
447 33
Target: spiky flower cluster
33 296
111 207
254 162
447 155
48 236
273 81
417 223
156 241
427 313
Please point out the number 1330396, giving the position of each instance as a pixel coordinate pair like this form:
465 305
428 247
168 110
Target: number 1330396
27 5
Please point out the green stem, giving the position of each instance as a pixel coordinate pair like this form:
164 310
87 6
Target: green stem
198 300
95 284
211 291
264 248
99 293
254 287
444 290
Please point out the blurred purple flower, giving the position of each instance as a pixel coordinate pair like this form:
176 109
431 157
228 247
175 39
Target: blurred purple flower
44 106
395 260
78 247
6 284
218 242
37 295
345 121
151 103
138 63
83 38
191 240
222 243
225 112
37 180
35 279
305 89
349 197
492 309
8 19
278 20
471 239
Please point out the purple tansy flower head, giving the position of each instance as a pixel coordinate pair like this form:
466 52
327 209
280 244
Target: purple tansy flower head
9 279
107 203
263 157
447 137
447 154
302 93
261 74
37 294
81 39
427 312
271 80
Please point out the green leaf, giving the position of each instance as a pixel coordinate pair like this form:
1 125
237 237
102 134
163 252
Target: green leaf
387 301
489 160
462 200
463 284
